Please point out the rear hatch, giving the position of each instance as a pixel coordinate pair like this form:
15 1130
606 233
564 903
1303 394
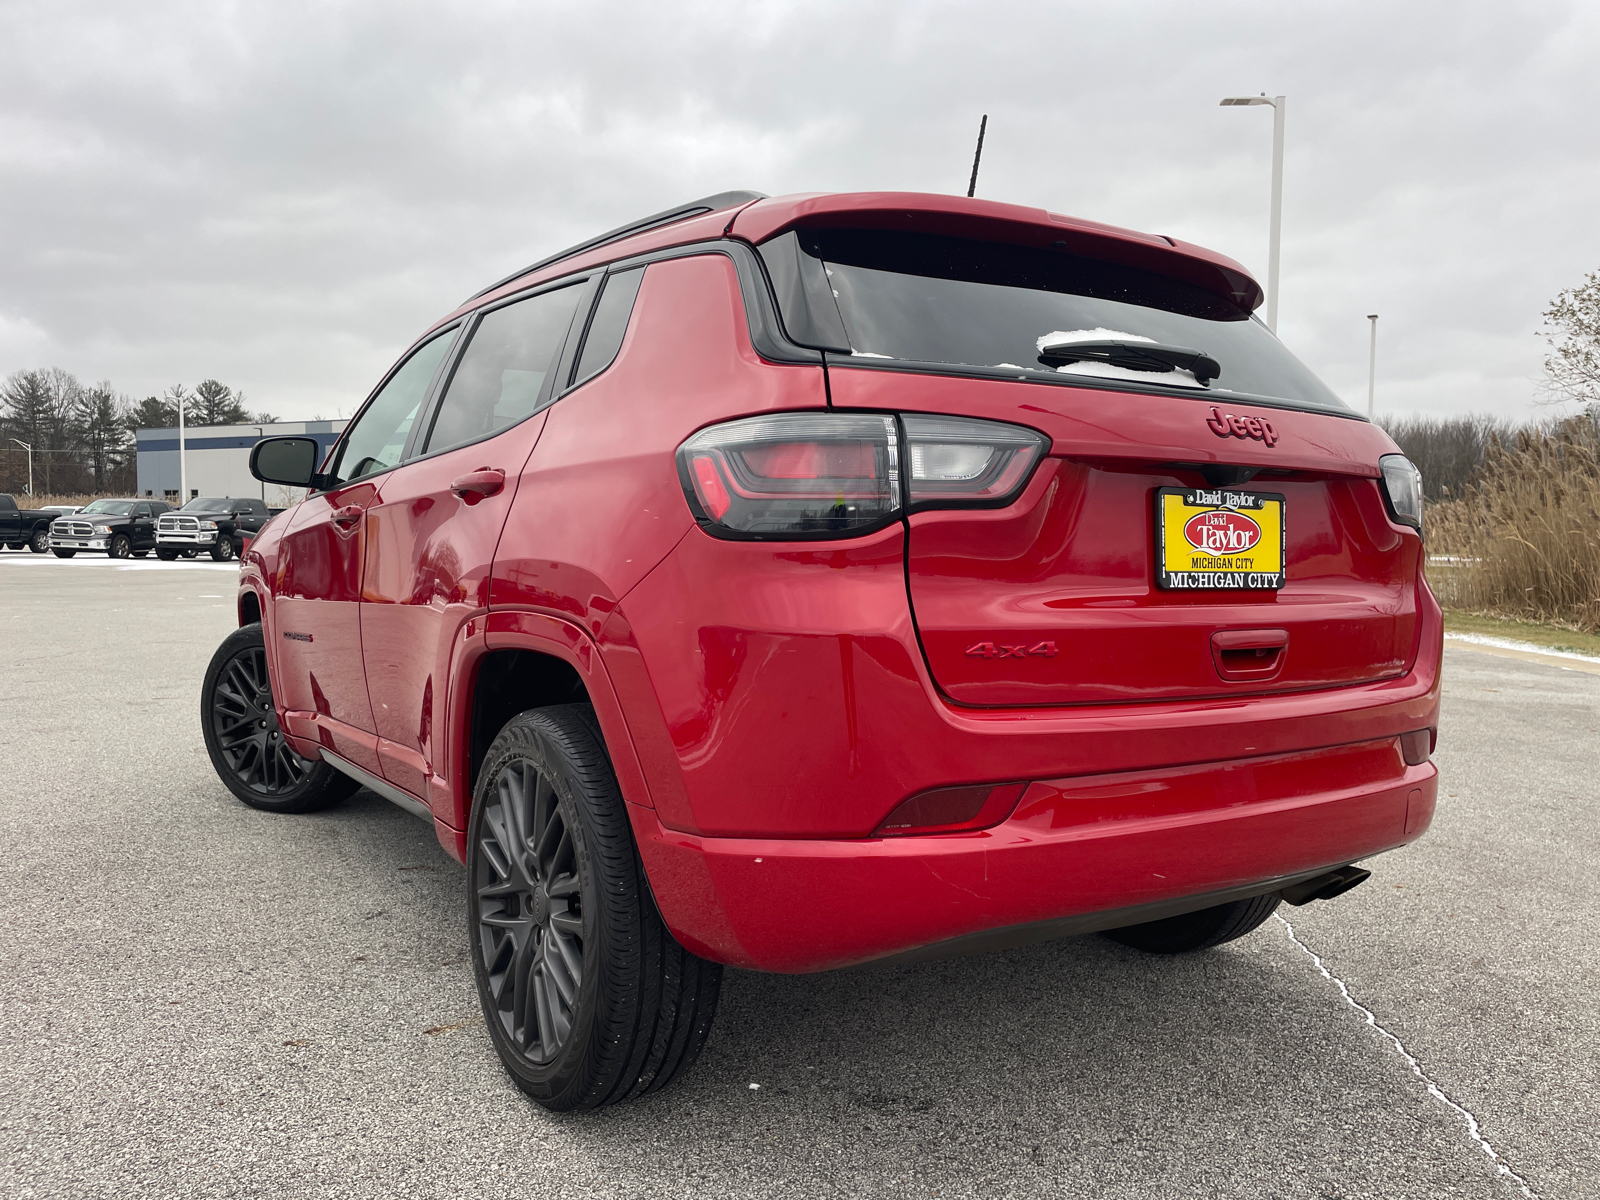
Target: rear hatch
1233 468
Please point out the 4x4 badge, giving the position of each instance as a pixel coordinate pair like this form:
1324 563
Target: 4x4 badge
1001 650
1229 425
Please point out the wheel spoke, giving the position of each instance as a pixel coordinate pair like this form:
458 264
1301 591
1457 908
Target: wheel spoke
568 923
548 1041
558 970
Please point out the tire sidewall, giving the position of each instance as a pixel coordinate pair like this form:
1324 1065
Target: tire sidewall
120 546
39 542
321 786
532 737
223 550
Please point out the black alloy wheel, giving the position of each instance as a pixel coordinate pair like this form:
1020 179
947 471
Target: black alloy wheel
119 546
530 911
243 739
1198 930
588 998
39 542
223 550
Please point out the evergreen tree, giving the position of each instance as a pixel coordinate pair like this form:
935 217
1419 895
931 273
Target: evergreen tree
152 413
101 419
216 404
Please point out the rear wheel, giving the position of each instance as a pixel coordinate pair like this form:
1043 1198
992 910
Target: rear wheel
244 741
588 998
140 553
119 546
1198 930
39 542
166 554
63 553
16 545
223 550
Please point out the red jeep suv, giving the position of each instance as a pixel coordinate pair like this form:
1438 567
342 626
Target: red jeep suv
802 582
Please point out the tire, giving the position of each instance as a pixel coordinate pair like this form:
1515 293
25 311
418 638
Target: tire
63 553
588 998
187 553
223 550
166 554
140 553
243 739
16 545
1198 930
39 542
119 546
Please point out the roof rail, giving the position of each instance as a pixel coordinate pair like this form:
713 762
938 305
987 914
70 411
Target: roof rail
667 216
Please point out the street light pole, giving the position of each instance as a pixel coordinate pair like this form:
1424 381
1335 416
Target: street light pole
1372 363
183 466
29 449
1279 104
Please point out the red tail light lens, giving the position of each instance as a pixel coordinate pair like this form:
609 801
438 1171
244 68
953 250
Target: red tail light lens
794 475
962 462
831 474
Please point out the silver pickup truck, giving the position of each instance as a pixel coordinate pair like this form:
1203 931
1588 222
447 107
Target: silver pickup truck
219 525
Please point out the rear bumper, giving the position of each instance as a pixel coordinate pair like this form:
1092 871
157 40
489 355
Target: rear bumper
1077 855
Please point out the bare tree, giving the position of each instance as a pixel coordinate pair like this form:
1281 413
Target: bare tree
1572 331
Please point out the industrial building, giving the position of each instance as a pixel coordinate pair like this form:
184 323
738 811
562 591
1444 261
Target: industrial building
217 460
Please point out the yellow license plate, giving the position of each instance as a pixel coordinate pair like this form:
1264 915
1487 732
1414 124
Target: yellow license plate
1207 540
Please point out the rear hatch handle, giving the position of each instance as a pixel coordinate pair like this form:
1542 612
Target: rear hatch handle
1249 655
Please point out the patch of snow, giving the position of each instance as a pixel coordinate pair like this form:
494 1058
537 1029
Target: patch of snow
1176 376
868 354
1089 335
1500 643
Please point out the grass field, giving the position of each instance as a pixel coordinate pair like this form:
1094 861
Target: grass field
1553 637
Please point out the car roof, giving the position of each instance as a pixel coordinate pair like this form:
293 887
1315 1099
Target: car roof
754 218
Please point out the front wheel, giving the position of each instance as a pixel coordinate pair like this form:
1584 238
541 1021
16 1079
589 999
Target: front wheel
119 547
59 553
223 550
39 542
244 741
1198 930
588 998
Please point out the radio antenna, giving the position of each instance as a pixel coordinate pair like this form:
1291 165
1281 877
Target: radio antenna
982 125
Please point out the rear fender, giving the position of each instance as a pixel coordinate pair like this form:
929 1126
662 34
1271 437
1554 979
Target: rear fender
539 634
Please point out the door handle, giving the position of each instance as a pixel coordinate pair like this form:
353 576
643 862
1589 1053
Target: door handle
348 515
1245 655
475 485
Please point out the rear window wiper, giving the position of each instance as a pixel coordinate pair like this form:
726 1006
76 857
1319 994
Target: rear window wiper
1133 356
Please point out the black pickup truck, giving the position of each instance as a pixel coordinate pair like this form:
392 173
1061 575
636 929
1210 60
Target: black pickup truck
115 528
219 525
23 528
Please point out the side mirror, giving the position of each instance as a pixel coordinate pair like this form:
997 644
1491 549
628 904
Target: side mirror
287 460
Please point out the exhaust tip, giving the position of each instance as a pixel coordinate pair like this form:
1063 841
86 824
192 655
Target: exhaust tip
1325 886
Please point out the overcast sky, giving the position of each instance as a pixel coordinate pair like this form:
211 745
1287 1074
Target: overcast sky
284 195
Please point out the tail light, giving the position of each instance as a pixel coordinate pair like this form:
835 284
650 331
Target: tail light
1402 484
964 462
830 475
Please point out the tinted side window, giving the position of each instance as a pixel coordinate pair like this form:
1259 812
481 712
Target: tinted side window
609 323
374 443
141 510
501 373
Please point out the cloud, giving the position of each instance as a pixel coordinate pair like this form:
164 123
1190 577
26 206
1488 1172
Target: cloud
282 196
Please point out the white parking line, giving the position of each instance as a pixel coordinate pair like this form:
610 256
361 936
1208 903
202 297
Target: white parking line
85 559
1434 1090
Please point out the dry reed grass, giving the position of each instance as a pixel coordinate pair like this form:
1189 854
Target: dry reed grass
44 501
1526 531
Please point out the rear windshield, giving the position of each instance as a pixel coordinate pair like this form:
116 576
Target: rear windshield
931 299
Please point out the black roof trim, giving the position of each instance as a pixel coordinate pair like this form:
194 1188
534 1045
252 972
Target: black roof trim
667 216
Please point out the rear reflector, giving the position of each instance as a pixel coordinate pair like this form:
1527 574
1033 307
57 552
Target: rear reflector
1417 746
950 810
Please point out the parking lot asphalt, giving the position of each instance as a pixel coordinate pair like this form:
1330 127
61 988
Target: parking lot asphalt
204 1000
